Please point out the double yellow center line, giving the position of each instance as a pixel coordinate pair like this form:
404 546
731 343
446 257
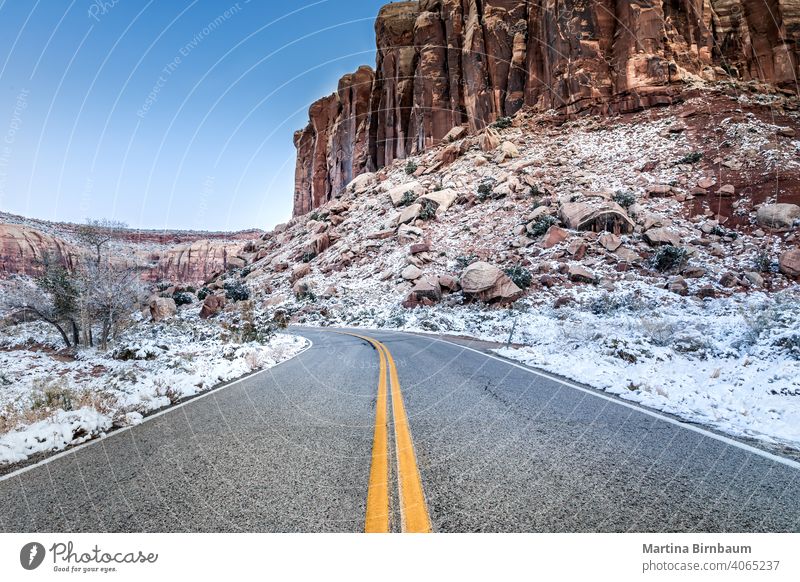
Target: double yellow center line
414 516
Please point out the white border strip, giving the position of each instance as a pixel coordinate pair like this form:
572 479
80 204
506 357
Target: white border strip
148 418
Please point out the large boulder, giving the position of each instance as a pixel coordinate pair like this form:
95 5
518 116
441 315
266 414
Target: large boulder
162 308
778 215
790 263
212 305
488 283
362 183
599 215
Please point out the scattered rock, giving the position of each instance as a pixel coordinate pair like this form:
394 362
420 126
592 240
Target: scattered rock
789 263
579 273
299 272
362 183
488 283
398 193
455 134
554 236
411 273
410 213
442 198
610 242
678 285
778 216
599 215
662 236
727 190
212 305
162 308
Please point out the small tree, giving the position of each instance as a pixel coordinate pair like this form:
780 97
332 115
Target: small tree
24 299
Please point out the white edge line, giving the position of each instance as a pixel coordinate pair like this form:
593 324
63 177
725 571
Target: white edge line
148 418
597 392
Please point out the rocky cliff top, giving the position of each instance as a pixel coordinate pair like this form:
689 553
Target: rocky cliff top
441 64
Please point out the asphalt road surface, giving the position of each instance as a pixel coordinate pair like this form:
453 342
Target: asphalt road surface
463 442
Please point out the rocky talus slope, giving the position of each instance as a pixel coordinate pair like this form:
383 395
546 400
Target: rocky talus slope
443 64
699 198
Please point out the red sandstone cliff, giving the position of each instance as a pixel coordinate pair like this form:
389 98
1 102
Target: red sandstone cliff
442 63
177 256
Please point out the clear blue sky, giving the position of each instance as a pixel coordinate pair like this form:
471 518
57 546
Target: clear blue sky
169 114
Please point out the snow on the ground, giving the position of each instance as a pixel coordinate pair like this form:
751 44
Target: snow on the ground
730 363
50 400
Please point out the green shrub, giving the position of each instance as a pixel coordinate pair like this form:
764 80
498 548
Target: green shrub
203 293
541 225
408 198
465 261
502 123
428 210
763 262
535 191
308 256
182 298
521 276
411 167
668 258
486 188
236 291
624 199
691 158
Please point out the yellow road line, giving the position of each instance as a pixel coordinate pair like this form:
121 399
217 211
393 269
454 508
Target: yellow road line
413 508
377 520
414 516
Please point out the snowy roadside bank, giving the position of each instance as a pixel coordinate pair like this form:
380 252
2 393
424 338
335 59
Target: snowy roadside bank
730 363
50 400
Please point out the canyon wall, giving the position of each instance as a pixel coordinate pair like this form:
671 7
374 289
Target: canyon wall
443 63
172 256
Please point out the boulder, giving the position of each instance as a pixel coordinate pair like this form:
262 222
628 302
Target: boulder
442 198
362 183
662 236
398 193
778 216
448 282
596 215
489 140
580 274
162 308
299 272
678 285
610 242
410 213
424 292
789 263
488 283
212 305
411 273
554 236
455 134
509 150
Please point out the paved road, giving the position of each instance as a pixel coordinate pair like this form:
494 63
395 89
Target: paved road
495 448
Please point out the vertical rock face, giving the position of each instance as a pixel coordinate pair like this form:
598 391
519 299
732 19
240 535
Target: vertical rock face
444 63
